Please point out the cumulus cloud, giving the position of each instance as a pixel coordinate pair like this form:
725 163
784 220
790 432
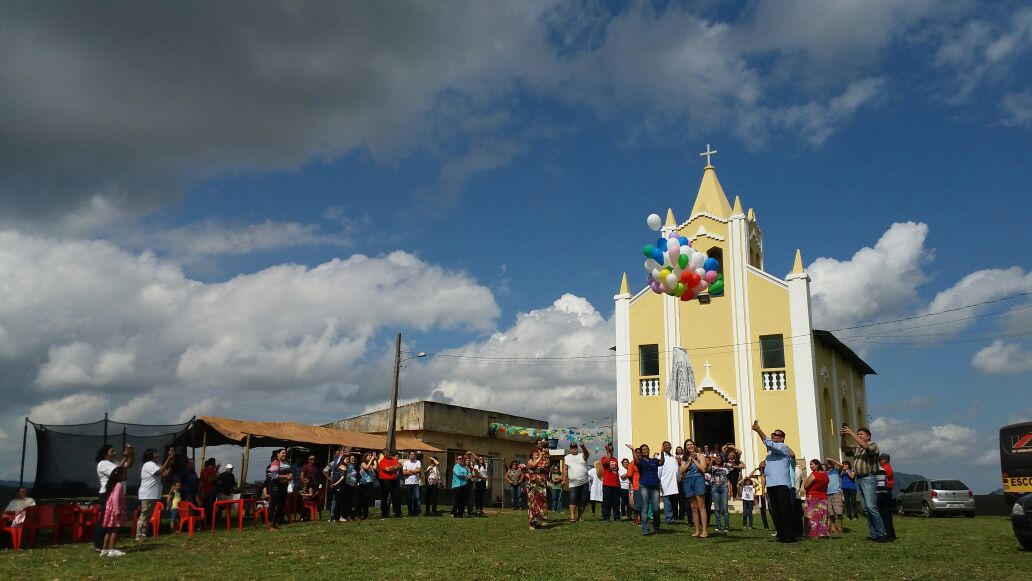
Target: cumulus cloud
1002 357
76 408
923 444
86 324
847 293
571 375
91 328
843 289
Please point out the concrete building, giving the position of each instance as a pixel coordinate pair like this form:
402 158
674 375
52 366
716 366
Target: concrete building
751 344
455 429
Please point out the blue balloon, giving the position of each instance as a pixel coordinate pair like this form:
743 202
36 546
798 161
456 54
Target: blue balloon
657 255
661 244
710 264
683 241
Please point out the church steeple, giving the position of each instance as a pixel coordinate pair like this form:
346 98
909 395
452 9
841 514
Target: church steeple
711 198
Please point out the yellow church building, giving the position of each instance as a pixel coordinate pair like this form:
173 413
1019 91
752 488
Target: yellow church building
753 349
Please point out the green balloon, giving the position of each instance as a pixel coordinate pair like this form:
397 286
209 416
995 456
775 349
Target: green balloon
717 287
647 251
679 290
682 261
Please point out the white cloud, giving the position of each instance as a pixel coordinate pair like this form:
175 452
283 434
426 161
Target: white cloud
76 408
494 374
844 291
859 290
1016 108
1002 357
213 238
986 53
907 443
81 315
818 120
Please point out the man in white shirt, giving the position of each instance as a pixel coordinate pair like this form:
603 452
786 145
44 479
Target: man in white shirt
20 502
668 484
150 487
411 469
575 477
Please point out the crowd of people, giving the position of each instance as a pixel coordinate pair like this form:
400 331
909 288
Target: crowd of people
697 484
690 483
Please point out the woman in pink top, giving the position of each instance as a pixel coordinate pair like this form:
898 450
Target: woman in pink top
114 512
816 511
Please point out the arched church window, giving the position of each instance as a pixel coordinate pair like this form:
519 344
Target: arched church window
718 254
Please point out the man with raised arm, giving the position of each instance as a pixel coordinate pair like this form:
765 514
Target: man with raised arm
779 484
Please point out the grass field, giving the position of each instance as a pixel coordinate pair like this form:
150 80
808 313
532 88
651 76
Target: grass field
500 546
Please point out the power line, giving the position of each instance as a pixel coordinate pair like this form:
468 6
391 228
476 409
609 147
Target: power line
862 337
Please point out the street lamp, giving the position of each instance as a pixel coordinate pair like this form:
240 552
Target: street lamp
393 418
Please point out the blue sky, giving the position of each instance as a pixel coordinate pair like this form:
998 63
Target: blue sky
239 224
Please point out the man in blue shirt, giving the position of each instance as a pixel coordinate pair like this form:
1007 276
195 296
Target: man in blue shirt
779 461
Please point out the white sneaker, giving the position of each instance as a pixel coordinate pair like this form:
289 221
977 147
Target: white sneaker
103 552
115 553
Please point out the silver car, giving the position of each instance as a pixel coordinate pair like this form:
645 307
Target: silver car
936 497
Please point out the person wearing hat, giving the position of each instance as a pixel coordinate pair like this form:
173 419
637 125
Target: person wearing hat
225 485
610 466
885 484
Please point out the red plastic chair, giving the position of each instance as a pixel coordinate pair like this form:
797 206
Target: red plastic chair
189 515
155 518
87 522
15 532
66 518
261 511
36 518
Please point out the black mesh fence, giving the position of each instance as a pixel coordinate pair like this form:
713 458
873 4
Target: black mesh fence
66 465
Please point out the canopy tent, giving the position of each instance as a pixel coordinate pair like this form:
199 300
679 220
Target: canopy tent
213 431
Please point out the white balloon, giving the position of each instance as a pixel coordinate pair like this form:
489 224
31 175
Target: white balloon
656 277
654 222
671 281
701 272
651 265
697 260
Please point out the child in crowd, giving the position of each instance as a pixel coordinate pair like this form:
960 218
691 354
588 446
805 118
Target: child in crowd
173 497
114 512
718 489
748 492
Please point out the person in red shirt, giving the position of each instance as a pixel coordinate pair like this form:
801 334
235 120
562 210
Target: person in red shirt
207 489
886 481
610 485
390 491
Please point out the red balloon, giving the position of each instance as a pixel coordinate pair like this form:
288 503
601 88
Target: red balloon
688 295
686 276
695 280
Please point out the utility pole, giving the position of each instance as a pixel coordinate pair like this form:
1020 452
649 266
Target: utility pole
393 418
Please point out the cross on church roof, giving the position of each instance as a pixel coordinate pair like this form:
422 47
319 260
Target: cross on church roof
708 153
707 364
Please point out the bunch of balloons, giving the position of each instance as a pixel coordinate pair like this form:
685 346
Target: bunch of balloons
677 269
